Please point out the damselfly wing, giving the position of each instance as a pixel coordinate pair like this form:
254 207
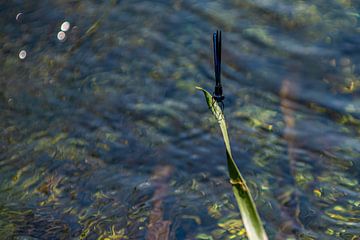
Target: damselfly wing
218 93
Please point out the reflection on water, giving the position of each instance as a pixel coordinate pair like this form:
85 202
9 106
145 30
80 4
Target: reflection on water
103 134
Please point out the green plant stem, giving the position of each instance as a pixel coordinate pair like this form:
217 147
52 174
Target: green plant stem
252 222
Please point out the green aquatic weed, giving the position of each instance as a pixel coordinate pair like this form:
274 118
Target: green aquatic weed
252 222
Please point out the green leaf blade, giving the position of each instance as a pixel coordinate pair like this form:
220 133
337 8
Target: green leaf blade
249 214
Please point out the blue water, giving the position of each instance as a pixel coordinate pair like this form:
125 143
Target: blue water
103 131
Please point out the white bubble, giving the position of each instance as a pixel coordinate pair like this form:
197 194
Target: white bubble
65 26
61 36
22 54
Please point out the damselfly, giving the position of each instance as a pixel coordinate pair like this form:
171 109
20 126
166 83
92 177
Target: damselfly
218 93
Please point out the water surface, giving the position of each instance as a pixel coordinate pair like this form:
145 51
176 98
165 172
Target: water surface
102 129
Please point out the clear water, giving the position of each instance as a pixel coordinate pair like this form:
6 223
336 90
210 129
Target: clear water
103 135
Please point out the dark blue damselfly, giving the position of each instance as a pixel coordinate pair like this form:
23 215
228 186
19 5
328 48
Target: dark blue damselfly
218 93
